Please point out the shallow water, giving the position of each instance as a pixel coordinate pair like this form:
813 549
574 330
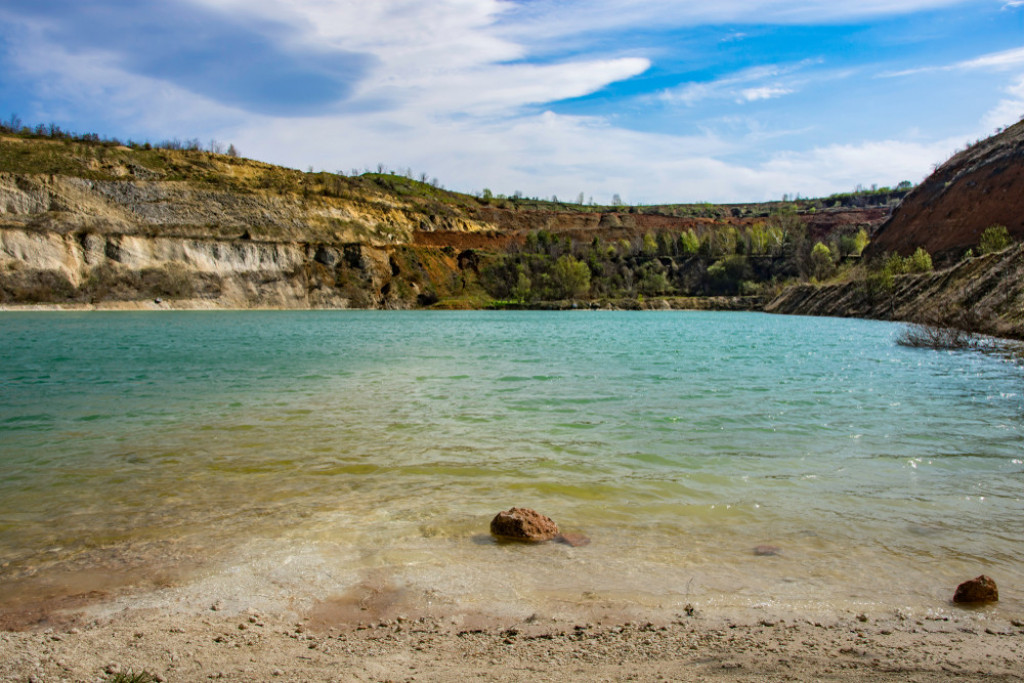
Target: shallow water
306 454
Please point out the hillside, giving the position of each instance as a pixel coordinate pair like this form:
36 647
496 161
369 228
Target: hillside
986 293
947 213
85 222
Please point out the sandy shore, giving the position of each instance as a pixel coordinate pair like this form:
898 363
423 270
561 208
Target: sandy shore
314 646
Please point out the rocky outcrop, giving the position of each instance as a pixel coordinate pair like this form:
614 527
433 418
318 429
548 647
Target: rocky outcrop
978 589
948 212
523 524
67 204
987 290
90 268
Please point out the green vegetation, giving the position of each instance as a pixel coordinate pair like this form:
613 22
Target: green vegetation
879 279
995 238
714 259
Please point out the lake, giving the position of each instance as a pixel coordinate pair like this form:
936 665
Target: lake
284 458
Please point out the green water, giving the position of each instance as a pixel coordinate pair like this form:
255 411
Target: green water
309 453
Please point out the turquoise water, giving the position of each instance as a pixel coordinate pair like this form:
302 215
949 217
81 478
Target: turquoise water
311 453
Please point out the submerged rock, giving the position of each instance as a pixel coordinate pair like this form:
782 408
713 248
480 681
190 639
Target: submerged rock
523 524
575 540
979 589
767 550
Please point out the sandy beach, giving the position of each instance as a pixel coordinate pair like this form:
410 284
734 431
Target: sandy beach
91 643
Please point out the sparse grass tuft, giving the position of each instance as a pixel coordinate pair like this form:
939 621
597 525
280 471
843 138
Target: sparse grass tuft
131 677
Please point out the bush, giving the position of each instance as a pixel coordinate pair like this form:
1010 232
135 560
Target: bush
725 276
921 336
995 238
921 262
821 261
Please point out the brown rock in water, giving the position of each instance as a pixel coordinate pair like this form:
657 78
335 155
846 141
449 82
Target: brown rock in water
523 524
575 540
767 550
980 589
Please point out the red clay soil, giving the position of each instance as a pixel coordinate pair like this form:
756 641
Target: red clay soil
948 212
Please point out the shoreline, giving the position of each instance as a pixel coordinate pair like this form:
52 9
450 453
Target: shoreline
713 303
250 644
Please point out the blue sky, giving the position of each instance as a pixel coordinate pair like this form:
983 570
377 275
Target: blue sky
654 100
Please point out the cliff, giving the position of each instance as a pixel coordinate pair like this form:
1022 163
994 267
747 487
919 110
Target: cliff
89 223
987 291
947 213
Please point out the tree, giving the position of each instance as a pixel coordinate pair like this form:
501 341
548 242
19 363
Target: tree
616 200
570 278
689 243
521 291
821 261
232 151
650 245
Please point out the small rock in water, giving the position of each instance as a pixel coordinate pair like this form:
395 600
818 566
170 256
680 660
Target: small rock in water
978 589
523 524
575 540
767 550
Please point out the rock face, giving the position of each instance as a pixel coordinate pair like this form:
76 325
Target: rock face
979 589
947 213
990 287
523 524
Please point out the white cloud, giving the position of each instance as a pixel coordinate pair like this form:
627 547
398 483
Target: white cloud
91 86
1008 111
1007 59
763 93
455 90
749 85
542 20
547 154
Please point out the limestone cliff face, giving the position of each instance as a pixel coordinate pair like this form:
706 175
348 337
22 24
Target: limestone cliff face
91 267
80 240
67 204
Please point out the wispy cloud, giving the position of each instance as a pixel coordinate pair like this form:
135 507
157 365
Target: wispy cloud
1009 109
997 60
257 65
542 20
478 92
748 85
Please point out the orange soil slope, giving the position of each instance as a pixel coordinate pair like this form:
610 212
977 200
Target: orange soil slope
947 213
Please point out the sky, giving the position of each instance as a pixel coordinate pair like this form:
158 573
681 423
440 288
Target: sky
656 101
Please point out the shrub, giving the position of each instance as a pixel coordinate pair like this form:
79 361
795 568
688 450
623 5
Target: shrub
995 238
921 336
725 276
921 261
821 261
